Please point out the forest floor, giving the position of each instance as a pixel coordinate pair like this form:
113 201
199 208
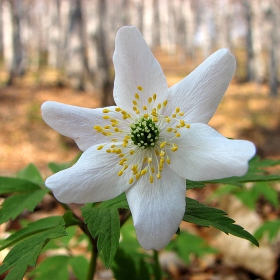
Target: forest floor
246 112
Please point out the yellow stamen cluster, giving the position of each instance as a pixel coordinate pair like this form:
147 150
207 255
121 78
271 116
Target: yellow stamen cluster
138 141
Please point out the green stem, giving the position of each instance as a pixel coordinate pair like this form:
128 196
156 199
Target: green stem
157 268
93 259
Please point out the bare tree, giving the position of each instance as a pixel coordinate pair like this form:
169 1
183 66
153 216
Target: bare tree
76 61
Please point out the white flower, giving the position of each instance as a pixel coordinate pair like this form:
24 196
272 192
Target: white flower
154 139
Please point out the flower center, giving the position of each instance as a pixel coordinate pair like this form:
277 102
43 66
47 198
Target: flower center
144 133
142 137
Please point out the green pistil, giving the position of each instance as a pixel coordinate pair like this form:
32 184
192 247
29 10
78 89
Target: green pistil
144 133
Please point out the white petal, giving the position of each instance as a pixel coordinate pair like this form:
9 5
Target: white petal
157 209
199 94
93 178
76 122
204 154
136 66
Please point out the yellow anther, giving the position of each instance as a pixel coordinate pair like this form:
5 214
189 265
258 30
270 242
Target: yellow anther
134 102
169 129
145 159
125 167
150 160
140 88
105 110
144 107
177 110
174 148
134 108
118 151
162 153
144 171
146 116
174 116
108 151
114 140
154 96
131 152
159 106
151 179
150 99
98 128
162 145
161 160
135 166
165 103
121 162
120 173
106 117
181 114
113 146
182 122
107 126
152 169
167 119
158 176
137 111
137 176
136 95
168 160
100 147
155 119
116 129
131 180
157 152
106 133
188 125
121 155
117 109
177 134
124 144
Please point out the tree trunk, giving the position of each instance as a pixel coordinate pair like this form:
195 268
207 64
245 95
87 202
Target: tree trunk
76 62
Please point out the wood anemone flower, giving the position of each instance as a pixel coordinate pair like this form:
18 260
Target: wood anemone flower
151 142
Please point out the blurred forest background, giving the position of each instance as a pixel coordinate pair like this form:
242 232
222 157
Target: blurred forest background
62 50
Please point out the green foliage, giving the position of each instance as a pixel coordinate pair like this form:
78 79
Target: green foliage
250 195
26 195
188 244
206 216
32 174
131 261
256 173
103 222
58 267
28 244
269 228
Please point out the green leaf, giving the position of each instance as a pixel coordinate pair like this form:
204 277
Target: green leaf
188 244
56 167
126 267
70 220
117 202
206 216
12 185
271 228
15 204
26 252
54 267
80 266
194 185
31 229
32 174
104 224
256 173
